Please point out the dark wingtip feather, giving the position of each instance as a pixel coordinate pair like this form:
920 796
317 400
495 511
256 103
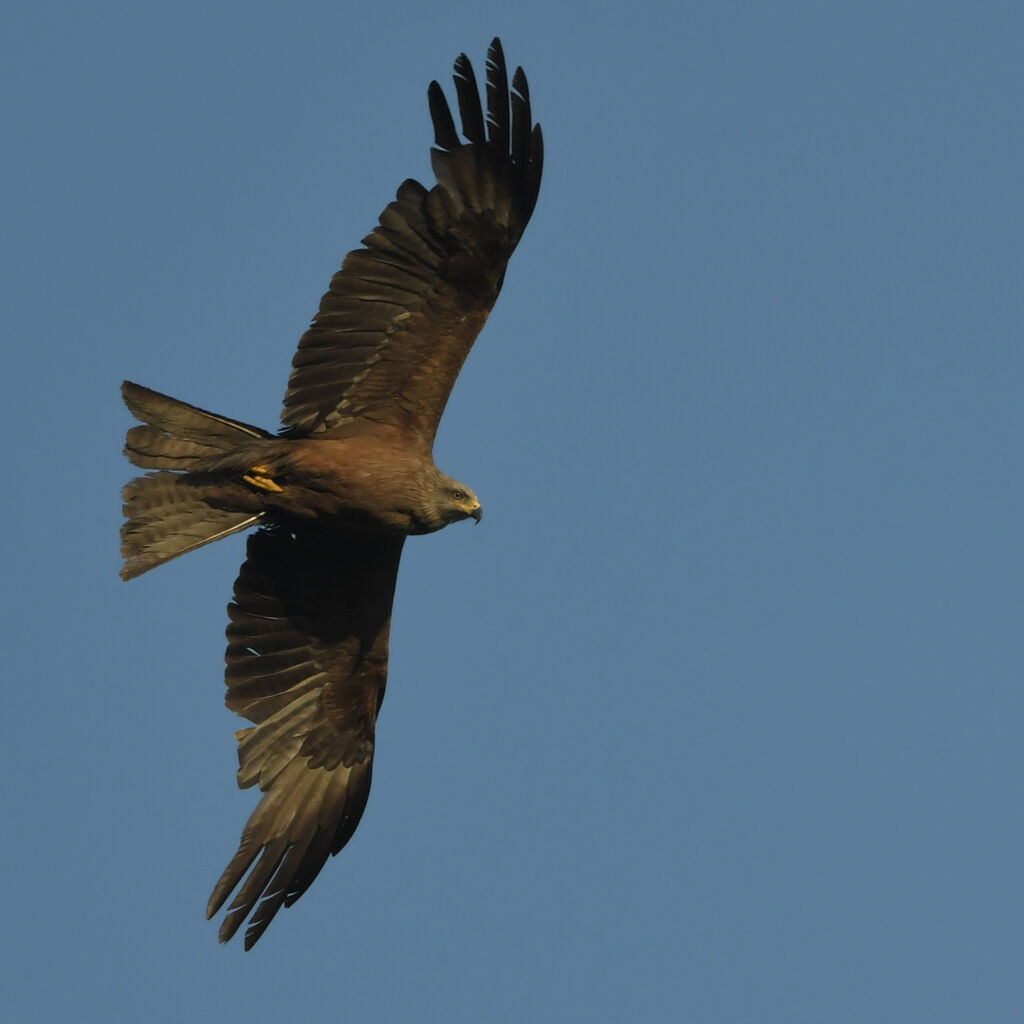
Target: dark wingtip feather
522 121
535 167
445 135
469 100
497 97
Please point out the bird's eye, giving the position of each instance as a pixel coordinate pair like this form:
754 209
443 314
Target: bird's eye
458 495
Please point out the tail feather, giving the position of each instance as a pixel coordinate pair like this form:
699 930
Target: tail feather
171 511
167 515
175 435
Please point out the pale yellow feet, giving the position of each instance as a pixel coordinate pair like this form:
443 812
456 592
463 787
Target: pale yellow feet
259 476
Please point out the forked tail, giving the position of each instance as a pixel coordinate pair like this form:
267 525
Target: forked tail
172 510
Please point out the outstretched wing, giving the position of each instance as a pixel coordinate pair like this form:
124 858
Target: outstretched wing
307 663
402 314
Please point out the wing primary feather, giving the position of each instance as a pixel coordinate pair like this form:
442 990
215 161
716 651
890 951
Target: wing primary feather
469 101
534 169
248 850
445 135
497 97
305 874
521 118
275 893
273 854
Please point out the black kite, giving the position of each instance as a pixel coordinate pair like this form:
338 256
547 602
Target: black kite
338 489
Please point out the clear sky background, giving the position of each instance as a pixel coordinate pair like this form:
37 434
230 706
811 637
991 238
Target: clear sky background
717 716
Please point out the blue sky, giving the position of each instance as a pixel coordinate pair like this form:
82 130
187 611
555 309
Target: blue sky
717 716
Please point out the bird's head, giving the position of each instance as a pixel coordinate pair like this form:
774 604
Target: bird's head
456 501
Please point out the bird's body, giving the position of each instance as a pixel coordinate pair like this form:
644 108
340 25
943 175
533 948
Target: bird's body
337 491
368 483
371 483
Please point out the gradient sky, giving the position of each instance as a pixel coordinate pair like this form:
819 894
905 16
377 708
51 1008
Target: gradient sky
717 716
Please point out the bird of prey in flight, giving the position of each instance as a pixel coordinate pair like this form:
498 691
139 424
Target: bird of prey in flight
335 492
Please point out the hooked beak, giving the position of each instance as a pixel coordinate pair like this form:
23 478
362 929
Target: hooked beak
477 513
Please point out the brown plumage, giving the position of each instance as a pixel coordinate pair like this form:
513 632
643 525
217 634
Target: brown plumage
336 492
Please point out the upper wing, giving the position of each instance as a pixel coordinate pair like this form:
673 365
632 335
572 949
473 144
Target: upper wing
306 662
402 314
